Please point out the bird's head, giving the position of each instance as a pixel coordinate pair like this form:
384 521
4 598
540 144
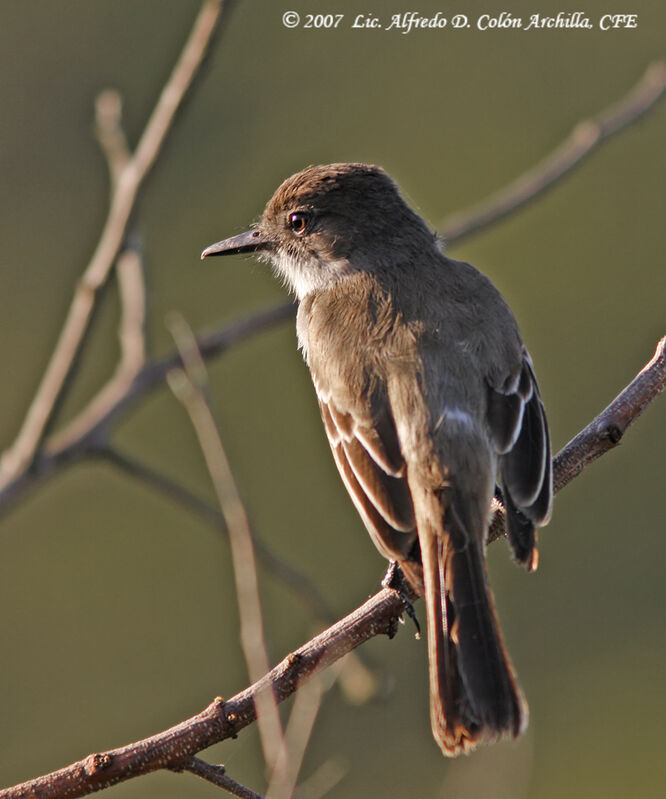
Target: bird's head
329 221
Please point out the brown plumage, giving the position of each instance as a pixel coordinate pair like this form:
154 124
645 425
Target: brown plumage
428 399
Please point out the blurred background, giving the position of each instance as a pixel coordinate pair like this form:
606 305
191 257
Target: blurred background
118 609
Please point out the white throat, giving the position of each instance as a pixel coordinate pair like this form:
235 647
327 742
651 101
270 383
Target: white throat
305 276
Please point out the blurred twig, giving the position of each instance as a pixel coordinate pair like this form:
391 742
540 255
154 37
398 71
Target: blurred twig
110 134
378 616
299 730
18 459
585 137
190 386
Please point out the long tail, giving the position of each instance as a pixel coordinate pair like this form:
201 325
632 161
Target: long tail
474 695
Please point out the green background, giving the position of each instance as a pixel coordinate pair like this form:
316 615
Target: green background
118 611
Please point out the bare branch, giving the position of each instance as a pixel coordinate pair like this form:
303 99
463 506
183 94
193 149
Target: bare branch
585 137
217 775
188 386
48 398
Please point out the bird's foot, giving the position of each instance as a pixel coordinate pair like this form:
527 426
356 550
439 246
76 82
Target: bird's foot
395 579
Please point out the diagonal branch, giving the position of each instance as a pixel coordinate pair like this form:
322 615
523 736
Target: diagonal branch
586 137
378 616
48 398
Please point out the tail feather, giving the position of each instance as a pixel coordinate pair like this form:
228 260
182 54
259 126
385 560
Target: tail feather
474 695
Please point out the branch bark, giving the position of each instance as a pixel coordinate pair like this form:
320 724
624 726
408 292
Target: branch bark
378 616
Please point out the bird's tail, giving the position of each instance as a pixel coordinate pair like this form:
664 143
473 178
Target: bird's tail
474 695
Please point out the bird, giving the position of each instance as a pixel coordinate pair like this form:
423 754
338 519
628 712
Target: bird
431 408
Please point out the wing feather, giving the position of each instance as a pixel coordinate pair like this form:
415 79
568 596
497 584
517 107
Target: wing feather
519 431
373 475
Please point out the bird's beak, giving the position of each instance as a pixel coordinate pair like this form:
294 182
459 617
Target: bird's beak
246 242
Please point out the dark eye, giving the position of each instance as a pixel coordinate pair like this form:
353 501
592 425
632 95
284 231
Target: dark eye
298 222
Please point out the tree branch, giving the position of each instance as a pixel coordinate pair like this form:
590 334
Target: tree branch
41 413
378 616
586 137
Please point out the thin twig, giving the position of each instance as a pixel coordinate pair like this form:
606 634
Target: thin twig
48 398
322 780
297 735
217 775
587 136
188 386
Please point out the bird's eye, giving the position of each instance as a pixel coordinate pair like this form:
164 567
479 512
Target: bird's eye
298 222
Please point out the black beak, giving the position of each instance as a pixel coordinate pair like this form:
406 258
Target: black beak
246 242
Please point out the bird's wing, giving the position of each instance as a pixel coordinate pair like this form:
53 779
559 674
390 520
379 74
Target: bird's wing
519 430
367 453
